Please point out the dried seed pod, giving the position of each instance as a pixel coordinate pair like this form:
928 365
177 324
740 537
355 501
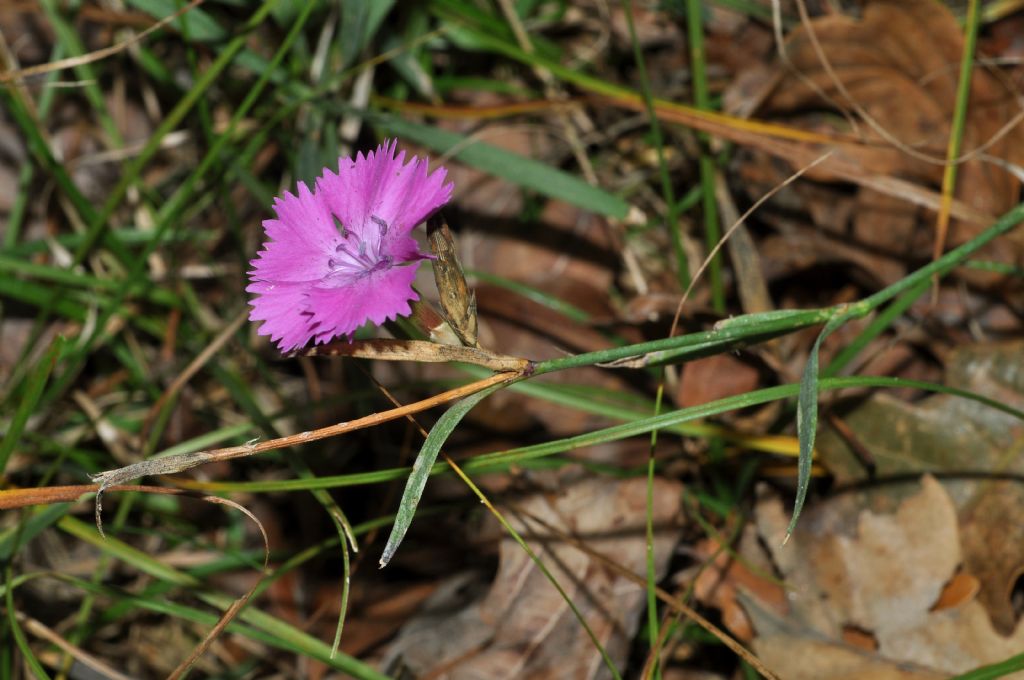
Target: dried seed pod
458 302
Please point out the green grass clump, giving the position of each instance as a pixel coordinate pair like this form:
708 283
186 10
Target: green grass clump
122 273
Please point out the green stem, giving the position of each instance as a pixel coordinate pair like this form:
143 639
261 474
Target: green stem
699 79
874 329
652 577
672 216
749 328
941 266
956 134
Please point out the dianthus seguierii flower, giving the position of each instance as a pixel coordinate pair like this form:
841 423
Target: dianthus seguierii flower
341 255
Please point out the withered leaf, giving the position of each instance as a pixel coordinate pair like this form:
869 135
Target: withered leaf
879 577
894 70
457 301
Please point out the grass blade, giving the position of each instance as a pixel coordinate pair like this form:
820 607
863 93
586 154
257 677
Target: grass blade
995 670
520 170
807 420
201 26
706 164
33 391
672 214
958 126
423 466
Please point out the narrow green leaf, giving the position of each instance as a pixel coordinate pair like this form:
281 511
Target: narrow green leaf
33 391
757 319
251 623
667 191
996 670
201 26
959 122
530 293
724 336
120 550
17 535
360 20
807 420
300 640
28 656
423 466
706 163
517 169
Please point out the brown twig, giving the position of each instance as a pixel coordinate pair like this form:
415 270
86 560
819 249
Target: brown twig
167 465
98 55
11 499
231 612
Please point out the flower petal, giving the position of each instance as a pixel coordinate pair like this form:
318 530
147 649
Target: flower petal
381 185
281 307
378 297
313 281
301 240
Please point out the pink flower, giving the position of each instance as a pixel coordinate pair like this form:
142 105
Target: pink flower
341 255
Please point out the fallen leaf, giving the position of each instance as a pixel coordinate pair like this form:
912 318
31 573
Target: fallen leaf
966 441
522 628
863 591
993 535
959 590
715 377
720 580
898 53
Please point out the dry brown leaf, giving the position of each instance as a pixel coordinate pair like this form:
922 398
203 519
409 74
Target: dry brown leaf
809 659
993 537
962 439
715 377
523 628
900 63
718 585
960 589
878 580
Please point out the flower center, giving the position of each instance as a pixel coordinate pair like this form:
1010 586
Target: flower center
360 255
